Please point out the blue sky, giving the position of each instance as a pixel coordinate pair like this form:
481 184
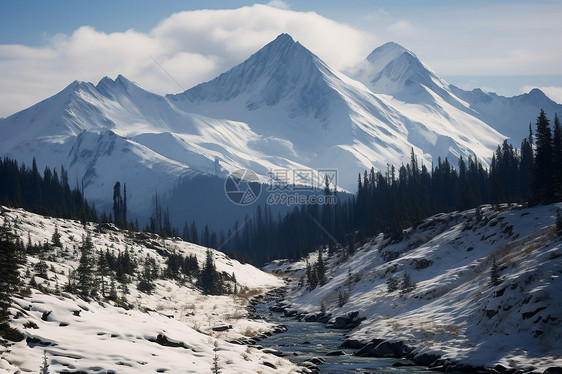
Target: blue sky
501 46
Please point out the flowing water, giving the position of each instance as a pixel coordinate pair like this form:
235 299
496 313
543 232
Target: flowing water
311 339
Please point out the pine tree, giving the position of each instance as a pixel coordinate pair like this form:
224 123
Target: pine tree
311 276
124 205
321 269
392 285
55 238
9 275
526 167
102 272
216 367
235 289
85 270
45 366
557 158
209 280
559 223
117 204
112 291
494 274
543 189
407 284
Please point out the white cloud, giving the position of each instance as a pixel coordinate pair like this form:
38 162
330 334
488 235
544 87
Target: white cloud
192 46
553 92
195 46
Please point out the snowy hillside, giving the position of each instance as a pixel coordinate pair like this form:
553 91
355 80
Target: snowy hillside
454 316
173 329
282 108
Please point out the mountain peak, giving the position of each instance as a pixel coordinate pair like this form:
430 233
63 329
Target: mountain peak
388 51
283 38
283 70
395 70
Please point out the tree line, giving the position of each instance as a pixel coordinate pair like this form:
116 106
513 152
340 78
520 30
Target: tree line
48 194
392 200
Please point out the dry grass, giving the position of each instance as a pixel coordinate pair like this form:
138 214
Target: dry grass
160 307
247 293
394 325
505 253
440 329
250 333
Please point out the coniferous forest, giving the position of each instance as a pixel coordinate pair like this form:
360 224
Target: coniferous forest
48 194
397 198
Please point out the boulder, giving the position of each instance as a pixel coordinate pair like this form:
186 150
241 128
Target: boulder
317 360
336 353
425 359
553 370
222 328
269 364
352 344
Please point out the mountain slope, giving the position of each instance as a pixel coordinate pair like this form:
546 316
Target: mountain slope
173 328
392 69
454 312
508 115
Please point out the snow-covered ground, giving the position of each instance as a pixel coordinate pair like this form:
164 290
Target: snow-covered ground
454 312
96 336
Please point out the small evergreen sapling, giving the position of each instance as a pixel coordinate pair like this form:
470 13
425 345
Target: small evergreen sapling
45 366
407 284
392 284
559 223
216 367
495 278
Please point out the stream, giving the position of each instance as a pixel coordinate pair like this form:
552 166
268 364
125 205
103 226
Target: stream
313 340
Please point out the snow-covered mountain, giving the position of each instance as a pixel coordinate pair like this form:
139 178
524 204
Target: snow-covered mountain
509 114
393 70
454 317
290 96
282 108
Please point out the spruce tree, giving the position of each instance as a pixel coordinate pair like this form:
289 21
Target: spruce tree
216 367
103 272
85 270
321 269
557 158
311 276
526 168
55 238
209 281
117 205
45 366
543 188
9 275
407 284
124 205
494 274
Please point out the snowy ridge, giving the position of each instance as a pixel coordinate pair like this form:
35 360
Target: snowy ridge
454 312
282 108
393 70
100 336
